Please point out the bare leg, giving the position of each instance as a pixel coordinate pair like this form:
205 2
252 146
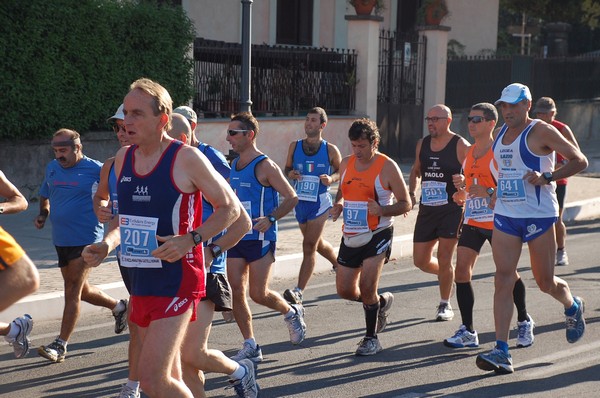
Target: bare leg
237 274
18 280
260 293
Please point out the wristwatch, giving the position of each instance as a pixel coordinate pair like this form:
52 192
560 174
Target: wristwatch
271 218
548 177
490 191
215 250
197 238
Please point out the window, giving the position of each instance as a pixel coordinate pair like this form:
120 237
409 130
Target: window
294 22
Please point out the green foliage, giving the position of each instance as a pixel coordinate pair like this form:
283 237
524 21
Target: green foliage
69 63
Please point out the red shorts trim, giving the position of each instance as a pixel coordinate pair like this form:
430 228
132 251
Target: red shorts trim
145 309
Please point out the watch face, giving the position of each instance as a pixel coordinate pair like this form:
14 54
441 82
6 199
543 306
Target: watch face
197 238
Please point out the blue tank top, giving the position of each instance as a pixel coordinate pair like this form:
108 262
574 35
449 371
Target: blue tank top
311 167
151 205
216 158
257 199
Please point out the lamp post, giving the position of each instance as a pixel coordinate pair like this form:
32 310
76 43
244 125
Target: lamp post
245 102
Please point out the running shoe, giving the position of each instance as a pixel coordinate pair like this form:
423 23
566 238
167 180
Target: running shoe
576 323
246 387
21 343
54 351
296 325
462 338
128 392
121 318
247 352
384 311
368 346
293 296
525 333
496 360
444 312
562 258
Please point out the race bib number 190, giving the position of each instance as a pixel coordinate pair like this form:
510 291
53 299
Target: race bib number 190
138 241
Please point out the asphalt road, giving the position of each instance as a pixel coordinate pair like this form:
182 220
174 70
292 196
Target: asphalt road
414 362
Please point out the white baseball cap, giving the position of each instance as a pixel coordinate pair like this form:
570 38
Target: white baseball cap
118 114
514 93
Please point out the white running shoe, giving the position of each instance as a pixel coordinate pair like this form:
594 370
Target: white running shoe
561 257
296 324
444 312
462 338
21 343
525 333
247 352
368 346
384 311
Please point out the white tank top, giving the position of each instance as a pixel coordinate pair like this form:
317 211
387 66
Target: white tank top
516 197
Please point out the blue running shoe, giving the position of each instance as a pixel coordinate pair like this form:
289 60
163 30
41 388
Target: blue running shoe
496 360
576 323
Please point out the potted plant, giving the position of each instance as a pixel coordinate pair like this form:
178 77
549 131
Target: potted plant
432 12
365 7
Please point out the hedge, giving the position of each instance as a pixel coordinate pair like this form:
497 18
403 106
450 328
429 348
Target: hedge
69 63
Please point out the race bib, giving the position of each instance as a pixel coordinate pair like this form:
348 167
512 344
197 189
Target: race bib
355 217
511 188
138 240
433 193
477 209
307 188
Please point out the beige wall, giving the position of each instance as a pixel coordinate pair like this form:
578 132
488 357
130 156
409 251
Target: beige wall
473 23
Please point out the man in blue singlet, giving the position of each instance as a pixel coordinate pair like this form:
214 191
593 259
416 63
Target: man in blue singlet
525 211
312 163
258 182
70 181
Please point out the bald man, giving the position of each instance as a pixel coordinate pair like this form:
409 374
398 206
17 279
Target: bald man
438 156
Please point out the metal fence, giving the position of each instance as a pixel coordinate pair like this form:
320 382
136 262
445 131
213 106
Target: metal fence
284 80
481 79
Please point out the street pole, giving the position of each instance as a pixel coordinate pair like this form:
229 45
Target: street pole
245 102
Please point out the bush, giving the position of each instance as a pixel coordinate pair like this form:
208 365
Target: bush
69 63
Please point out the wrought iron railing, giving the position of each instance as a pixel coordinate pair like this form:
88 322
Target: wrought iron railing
285 80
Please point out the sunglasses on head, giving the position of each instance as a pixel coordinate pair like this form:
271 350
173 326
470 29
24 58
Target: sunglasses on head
476 119
235 132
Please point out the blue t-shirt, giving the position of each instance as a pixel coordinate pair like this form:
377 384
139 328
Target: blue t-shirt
216 158
70 192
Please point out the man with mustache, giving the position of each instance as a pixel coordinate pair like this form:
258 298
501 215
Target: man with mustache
69 184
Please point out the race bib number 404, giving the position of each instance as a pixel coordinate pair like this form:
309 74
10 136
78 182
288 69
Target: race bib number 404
138 241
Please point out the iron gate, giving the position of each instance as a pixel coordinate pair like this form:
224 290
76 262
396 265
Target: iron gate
400 92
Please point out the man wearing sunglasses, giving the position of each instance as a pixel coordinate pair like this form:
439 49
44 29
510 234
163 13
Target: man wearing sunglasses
438 157
476 188
525 211
258 183
545 109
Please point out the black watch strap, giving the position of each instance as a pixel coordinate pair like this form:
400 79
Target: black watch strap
215 250
196 237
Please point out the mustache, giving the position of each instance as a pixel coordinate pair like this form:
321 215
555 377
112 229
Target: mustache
61 159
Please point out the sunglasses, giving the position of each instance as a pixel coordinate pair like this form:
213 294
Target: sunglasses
118 127
434 119
235 132
476 119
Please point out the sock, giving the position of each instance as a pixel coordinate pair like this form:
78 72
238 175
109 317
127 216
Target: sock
519 299
251 341
13 332
502 345
572 310
560 249
466 300
444 302
63 342
290 313
135 385
297 289
371 311
239 373
119 307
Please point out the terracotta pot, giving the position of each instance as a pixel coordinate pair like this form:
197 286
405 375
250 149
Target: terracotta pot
363 7
434 13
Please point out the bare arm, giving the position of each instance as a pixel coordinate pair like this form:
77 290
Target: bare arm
338 206
15 201
235 232
392 179
289 164
335 157
40 220
101 200
415 174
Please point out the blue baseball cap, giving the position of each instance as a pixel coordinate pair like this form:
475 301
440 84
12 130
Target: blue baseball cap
514 93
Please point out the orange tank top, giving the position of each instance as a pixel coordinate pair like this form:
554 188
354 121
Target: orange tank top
479 171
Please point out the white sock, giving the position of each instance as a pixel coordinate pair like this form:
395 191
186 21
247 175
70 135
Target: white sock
251 341
444 302
119 307
239 373
61 341
290 313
